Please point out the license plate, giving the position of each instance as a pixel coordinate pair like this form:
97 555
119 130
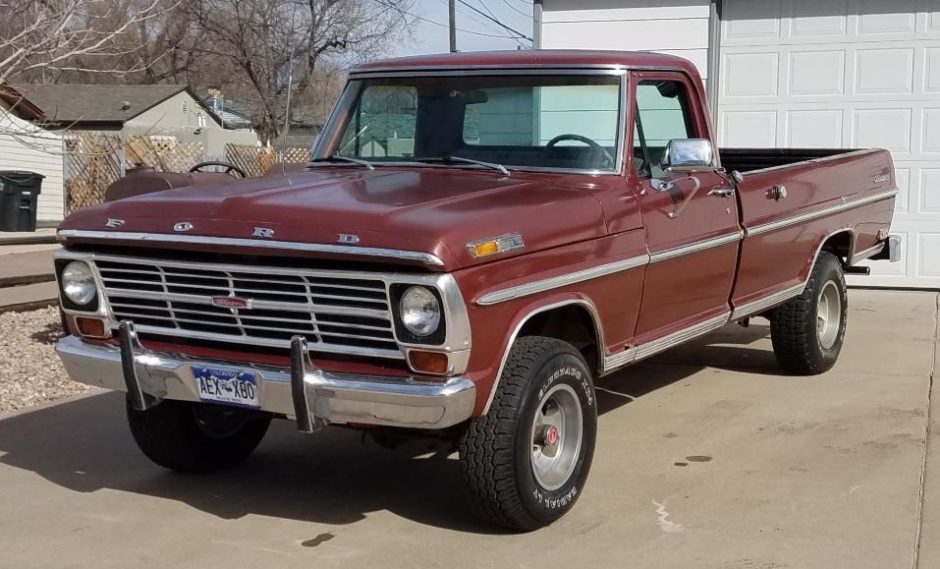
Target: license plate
229 386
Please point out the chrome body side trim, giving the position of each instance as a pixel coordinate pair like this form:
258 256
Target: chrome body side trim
424 258
696 247
559 281
767 302
598 329
636 353
815 214
867 253
333 398
604 270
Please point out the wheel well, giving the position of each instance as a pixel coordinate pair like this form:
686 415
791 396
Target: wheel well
840 245
572 324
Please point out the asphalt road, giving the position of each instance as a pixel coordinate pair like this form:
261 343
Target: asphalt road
707 457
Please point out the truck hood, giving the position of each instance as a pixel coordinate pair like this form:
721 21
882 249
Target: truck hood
434 211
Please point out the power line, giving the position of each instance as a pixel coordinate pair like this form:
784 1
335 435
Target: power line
495 20
485 21
490 12
404 12
517 10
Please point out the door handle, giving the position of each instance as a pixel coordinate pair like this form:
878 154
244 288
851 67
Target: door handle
721 192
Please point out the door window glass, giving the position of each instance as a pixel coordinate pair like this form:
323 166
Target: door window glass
662 114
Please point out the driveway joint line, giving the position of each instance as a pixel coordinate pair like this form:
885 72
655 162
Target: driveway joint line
918 529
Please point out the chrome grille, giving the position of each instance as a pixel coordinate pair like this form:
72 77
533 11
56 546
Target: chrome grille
336 312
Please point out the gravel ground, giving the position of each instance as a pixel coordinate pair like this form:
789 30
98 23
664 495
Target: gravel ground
30 372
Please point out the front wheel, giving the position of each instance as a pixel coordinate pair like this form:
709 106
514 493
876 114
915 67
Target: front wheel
196 437
526 460
808 331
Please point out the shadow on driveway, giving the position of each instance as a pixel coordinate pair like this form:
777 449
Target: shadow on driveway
331 478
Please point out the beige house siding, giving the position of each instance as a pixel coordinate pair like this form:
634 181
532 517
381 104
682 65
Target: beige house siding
26 147
182 117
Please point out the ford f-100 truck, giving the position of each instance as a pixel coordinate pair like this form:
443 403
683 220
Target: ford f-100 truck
475 242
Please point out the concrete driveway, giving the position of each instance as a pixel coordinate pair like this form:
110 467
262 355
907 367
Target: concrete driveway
707 457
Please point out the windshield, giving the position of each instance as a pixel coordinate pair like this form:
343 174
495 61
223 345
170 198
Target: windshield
523 121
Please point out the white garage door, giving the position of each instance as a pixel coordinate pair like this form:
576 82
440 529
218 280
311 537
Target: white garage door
844 74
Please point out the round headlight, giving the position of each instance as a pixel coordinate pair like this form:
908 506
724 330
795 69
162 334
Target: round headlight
420 311
78 284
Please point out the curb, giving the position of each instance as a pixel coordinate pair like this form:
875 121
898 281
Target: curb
31 305
20 280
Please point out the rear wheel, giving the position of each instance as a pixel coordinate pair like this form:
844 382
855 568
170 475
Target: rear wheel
196 437
808 331
526 461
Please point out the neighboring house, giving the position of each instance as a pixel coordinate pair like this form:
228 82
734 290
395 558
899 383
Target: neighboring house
801 73
24 146
155 110
231 114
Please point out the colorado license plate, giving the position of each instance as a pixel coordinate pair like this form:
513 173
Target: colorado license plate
229 386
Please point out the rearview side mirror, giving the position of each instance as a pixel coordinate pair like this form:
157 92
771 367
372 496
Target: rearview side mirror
689 155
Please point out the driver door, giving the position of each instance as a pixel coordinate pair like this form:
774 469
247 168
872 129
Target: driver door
691 218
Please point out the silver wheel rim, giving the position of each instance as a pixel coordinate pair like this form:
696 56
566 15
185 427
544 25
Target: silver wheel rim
828 315
556 437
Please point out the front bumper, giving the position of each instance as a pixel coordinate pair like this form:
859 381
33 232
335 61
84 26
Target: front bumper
311 396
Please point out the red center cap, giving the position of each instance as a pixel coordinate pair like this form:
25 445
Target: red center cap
551 436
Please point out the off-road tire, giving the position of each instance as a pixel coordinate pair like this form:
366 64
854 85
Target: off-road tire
793 325
171 436
496 449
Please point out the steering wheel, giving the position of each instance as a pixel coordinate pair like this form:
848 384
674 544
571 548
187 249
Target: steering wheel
229 169
597 148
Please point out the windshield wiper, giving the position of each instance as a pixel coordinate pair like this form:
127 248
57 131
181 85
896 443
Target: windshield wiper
337 158
458 159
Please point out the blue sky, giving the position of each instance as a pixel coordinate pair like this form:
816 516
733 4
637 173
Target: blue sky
429 37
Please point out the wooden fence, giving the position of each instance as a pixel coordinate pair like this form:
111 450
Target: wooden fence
257 160
93 161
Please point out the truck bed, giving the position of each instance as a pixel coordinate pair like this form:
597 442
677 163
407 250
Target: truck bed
748 159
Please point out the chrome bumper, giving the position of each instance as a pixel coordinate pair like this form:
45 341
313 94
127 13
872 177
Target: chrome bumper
311 396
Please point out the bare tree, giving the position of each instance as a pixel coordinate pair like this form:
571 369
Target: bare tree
274 47
72 35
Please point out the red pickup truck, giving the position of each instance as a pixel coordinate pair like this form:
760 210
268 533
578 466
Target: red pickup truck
476 240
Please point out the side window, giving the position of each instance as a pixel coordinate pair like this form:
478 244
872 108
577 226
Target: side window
662 114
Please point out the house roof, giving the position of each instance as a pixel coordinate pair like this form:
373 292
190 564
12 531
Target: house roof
99 104
20 105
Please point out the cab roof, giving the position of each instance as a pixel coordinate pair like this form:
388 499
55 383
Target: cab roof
532 58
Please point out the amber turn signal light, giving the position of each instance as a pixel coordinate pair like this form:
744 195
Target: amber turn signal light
91 327
428 362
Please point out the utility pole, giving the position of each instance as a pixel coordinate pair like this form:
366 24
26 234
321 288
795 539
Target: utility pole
452 6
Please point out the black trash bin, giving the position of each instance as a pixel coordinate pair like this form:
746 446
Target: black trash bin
19 197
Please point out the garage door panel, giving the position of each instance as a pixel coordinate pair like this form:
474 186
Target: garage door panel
930 131
875 19
884 71
928 255
753 20
813 129
811 18
902 177
748 128
884 128
929 193
851 74
750 75
816 73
